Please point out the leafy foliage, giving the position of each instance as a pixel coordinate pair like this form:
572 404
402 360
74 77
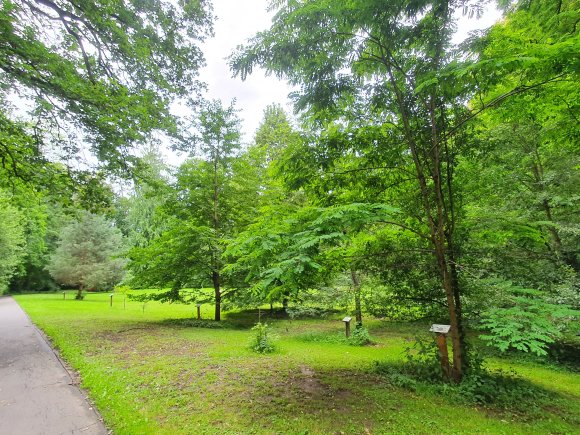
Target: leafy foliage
480 386
12 241
360 337
100 72
525 321
262 342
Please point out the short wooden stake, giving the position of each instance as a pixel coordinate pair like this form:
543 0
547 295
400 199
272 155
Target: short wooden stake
198 311
63 295
124 306
111 300
346 321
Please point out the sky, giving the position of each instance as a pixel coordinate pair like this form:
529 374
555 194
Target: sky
239 20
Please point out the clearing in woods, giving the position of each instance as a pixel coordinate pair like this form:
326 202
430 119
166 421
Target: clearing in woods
148 374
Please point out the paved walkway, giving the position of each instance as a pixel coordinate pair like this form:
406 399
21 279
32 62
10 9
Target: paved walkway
36 392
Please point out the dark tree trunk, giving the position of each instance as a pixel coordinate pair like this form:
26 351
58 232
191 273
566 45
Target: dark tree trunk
458 306
357 302
218 295
79 294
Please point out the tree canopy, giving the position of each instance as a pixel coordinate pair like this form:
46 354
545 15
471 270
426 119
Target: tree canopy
102 73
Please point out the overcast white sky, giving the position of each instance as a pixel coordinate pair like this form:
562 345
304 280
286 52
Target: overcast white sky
239 20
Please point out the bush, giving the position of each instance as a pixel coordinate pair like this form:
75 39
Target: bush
360 337
198 323
263 340
480 386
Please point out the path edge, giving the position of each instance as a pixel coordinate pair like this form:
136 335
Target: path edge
73 374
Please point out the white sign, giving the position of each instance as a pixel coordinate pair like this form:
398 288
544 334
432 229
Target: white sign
347 319
440 329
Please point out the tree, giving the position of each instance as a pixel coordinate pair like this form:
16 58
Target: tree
139 215
275 133
386 73
213 197
12 240
100 72
86 256
291 250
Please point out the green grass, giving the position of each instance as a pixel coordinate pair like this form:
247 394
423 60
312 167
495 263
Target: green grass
148 375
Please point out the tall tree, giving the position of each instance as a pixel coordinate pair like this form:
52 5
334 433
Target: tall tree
12 240
389 68
213 197
100 72
140 215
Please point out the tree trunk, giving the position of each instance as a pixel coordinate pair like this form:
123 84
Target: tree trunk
218 296
447 281
357 302
458 308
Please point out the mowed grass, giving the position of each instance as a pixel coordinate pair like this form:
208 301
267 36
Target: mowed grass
150 376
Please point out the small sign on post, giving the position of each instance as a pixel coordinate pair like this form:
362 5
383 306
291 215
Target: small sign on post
111 300
440 329
346 321
441 339
198 311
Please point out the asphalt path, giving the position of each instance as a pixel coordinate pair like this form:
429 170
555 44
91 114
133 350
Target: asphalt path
37 394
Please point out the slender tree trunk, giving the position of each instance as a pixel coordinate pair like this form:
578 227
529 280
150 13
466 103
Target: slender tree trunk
216 264
79 294
457 369
458 306
538 172
426 153
218 295
357 302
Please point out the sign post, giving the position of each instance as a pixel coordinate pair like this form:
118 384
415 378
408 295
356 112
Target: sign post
346 321
441 332
111 300
198 311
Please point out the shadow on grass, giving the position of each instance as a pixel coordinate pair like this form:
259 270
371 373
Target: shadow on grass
200 323
495 390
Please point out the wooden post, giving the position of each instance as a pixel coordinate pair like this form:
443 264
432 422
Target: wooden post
441 339
346 321
111 300
63 295
124 306
198 311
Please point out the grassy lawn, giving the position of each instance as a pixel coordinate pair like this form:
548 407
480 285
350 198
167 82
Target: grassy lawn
150 376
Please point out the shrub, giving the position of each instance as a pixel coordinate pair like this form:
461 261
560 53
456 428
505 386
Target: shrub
526 321
360 337
198 323
480 386
263 339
